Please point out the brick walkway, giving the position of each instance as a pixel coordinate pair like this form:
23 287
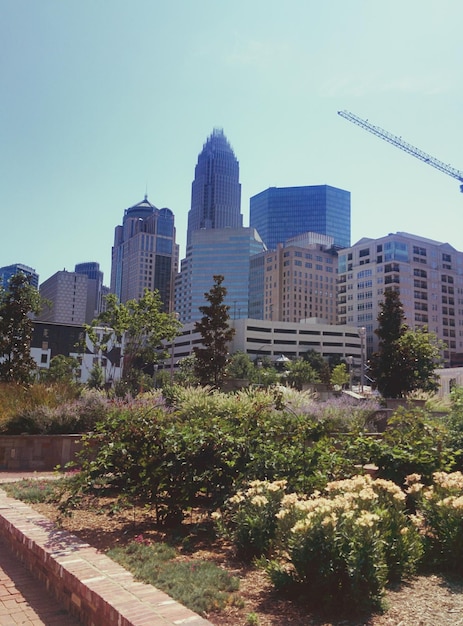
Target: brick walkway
23 599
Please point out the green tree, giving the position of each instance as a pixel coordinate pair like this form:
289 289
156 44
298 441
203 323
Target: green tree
339 376
141 326
316 360
211 359
241 366
17 305
96 377
406 359
186 371
62 369
300 372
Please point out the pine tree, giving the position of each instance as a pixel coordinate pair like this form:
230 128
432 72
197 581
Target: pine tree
211 359
406 359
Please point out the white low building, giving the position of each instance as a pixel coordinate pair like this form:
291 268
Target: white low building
268 338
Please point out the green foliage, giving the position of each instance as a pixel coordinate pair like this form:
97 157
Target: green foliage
70 417
241 366
318 363
406 359
35 491
340 547
440 516
300 372
414 442
339 376
216 334
249 517
202 586
62 369
15 399
186 372
142 325
96 378
17 306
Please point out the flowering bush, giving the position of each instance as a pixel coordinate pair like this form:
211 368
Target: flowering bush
440 515
343 544
249 518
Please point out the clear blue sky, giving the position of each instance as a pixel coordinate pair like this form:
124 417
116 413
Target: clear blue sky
103 99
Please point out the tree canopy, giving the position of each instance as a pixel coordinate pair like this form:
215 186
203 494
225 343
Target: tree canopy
141 325
212 357
18 304
406 359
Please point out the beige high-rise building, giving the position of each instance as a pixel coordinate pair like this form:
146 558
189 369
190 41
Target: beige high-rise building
65 294
296 281
427 274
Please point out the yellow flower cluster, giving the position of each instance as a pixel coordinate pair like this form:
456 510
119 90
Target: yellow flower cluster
451 482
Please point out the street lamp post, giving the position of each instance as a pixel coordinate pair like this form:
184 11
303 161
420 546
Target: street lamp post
350 362
362 332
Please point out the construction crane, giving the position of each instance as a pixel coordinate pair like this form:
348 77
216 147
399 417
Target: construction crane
403 145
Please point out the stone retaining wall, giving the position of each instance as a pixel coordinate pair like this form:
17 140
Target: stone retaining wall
37 452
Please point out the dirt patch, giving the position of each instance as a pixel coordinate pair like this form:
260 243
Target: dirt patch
423 601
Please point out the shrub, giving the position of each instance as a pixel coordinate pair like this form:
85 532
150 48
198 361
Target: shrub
440 510
341 546
249 517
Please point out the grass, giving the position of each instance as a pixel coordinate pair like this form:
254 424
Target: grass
202 586
36 491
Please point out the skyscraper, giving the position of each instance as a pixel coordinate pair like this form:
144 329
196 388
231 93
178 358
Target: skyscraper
95 289
223 251
144 254
8 271
427 274
279 213
216 190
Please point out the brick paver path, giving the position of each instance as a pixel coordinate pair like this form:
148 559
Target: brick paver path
23 599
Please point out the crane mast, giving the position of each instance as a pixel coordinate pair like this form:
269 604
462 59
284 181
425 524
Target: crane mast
403 145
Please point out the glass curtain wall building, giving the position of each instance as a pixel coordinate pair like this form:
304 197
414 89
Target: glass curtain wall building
216 190
279 213
8 271
225 251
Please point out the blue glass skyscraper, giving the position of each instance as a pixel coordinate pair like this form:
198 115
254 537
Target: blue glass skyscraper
216 189
8 271
279 213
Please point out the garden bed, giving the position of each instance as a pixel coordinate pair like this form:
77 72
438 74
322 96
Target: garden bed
424 601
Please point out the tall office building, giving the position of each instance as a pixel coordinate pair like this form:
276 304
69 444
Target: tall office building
8 271
95 291
216 190
279 213
65 294
145 255
221 251
296 281
427 274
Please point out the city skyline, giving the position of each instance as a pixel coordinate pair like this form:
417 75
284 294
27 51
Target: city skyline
104 106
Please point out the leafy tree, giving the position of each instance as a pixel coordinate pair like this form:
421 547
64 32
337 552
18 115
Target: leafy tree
141 325
241 366
406 359
17 305
62 369
300 372
316 360
339 375
186 374
211 359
